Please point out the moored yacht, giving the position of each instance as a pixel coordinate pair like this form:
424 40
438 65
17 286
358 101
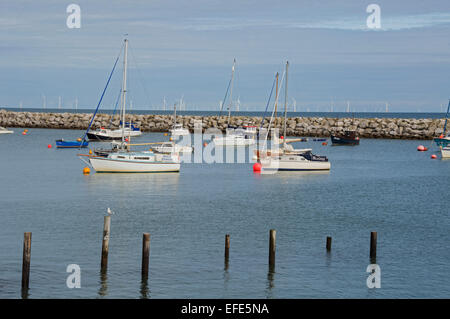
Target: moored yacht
5 131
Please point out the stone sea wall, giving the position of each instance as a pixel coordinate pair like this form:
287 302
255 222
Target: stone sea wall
297 126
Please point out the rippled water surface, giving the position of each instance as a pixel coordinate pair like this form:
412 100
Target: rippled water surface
380 185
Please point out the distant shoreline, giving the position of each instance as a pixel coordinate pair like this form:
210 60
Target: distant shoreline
314 126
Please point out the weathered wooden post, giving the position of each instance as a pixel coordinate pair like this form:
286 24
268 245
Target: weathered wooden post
227 248
272 248
26 260
105 243
373 245
328 243
145 254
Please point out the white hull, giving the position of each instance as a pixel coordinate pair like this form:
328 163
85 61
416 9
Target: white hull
294 163
171 149
181 132
233 141
5 131
445 152
159 164
114 134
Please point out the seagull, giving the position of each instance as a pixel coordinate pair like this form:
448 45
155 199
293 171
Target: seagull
110 212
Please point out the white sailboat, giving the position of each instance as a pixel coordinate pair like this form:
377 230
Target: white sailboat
286 158
177 128
235 136
5 131
125 161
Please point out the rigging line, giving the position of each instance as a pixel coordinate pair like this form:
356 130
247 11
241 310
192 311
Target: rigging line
224 99
101 98
115 107
275 103
141 78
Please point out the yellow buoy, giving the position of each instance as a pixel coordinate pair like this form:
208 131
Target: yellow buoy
79 139
90 152
165 134
170 139
86 170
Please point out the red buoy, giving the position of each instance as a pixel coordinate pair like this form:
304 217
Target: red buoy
324 143
49 145
257 167
433 156
421 148
281 137
126 140
24 133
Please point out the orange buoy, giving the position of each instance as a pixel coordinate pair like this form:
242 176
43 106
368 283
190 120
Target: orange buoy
165 134
433 156
204 144
324 143
86 170
49 146
171 139
257 167
421 148
79 139
90 152
24 133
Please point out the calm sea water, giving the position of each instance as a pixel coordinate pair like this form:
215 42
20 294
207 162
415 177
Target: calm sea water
380 185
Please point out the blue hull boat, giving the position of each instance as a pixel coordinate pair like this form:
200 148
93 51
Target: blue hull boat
71 144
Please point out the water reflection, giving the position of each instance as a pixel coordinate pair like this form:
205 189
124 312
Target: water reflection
156 182
25 293
145 290
103 291
270 282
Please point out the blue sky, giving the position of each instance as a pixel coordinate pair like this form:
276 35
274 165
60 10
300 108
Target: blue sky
186 48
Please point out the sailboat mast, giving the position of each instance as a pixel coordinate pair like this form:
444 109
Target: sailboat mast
231 91
124 88
285 106
174 115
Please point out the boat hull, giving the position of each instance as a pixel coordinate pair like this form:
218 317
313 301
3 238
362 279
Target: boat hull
233 142
296 165
445 152
106 165
71 144
344 141
113 135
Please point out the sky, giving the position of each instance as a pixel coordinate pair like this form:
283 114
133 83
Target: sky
186 49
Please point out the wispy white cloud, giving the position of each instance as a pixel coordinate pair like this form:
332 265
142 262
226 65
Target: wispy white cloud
388 23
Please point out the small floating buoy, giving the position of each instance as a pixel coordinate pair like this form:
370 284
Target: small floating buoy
281 137
257 167
90 152
165 134
421 148
433 156
79 139
324 143
24 133
86 170
205 144
171 139
49 146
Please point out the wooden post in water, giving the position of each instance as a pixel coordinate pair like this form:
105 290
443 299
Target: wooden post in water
328 243
145 254
373 245
272 248
227 249
105 243
26 260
